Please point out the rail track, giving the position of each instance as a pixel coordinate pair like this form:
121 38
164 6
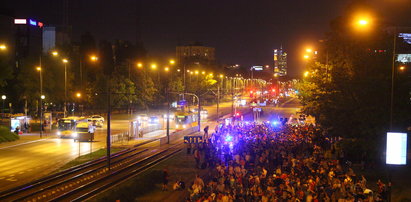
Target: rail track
86 180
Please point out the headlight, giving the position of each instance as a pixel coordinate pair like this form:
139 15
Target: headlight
58 133
75 135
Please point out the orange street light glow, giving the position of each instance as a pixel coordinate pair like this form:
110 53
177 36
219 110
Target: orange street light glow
65 60
93 58
172 62
139 65
306 56
3 47
55 53
38 68
402 68
153 66
78 95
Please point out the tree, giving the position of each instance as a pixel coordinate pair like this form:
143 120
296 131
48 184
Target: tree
350 96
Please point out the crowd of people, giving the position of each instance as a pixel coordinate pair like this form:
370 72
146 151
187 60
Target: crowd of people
267 162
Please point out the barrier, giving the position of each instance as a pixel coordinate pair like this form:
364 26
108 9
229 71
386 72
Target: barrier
120 137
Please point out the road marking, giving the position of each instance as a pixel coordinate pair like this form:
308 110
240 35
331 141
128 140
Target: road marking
16 145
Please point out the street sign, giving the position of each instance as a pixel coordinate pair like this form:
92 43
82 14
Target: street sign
193 139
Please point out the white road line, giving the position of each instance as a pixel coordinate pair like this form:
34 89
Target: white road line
16 145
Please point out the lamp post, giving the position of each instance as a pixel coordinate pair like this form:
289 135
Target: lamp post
39 69
65 61
3 97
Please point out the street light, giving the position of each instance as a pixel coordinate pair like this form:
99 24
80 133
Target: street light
3 97
172 61
306 57
401 68
306 73
55 53
153 66
166 69
39 69
43 97
139 65
308 50
3 47
93 58
65 61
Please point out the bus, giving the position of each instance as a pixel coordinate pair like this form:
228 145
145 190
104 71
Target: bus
185 120
66 127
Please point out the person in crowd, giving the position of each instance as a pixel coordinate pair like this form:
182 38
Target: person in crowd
262 162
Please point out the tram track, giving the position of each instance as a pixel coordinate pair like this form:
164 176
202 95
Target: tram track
42 189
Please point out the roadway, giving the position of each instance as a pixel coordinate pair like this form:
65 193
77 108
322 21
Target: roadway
22 163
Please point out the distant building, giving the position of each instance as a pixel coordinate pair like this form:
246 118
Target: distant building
54 37
196 56
280 62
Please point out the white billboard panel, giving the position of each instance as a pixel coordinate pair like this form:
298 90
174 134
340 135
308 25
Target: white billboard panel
396 148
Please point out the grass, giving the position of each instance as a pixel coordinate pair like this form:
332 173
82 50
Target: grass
147 185
87 157
6 135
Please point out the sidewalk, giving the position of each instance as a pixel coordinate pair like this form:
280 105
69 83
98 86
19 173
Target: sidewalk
27 138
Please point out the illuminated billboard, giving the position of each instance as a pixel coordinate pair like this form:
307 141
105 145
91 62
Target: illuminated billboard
396 148
404 58
20 21
257 68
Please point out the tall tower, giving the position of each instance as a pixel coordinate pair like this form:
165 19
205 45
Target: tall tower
280 62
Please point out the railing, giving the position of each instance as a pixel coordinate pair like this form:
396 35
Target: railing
120 137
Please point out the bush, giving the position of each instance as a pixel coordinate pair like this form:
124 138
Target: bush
6 135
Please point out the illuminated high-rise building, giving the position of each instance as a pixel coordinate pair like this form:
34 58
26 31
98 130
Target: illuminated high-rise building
280 62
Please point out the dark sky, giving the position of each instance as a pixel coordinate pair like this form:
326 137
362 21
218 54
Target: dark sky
242 31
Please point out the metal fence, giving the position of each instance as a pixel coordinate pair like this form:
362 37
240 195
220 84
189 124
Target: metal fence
120 137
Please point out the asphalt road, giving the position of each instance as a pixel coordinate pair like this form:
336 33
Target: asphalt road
25 162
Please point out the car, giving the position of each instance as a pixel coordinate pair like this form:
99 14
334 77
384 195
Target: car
170 116
142 117
153 120
96 120
204 113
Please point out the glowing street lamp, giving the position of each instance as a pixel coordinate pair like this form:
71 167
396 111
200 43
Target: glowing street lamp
308 50
196 72
166 69
78 95
203 72
153 66
139 65
3 47
65 61
3 97
43 97
306 57
172 61
55 53
93 58
221 76
306 74
402 68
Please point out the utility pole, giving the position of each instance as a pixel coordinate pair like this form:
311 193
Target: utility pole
108 120
218 103
168 116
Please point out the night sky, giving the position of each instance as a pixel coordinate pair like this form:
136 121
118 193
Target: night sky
242 31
